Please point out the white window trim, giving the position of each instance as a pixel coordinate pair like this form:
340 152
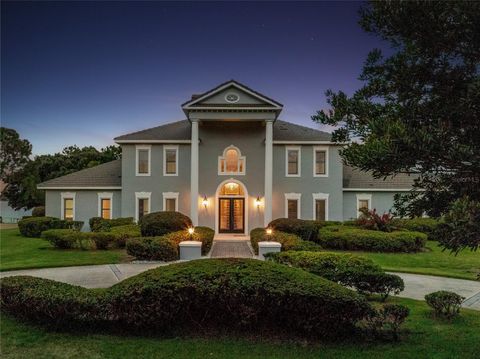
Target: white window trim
105 195
240 157
363 197
142 195
315 149
143 147
170 195
293 196
293 148
64 196
320 196
165 148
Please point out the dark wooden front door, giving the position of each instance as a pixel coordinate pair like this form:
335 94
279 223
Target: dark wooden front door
231 215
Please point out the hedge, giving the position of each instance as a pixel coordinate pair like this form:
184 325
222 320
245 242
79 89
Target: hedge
419 224
160 223
123 232
351 238
347 269
305 229
288 241
34 226
238 295
98 224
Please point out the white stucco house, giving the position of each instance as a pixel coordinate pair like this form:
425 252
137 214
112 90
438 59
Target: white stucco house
232 164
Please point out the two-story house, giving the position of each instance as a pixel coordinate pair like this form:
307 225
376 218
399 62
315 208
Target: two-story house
231 165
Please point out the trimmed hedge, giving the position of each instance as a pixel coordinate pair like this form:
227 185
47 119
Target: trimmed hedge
98 224
123 232
289 241
351 238
160 223
347 269
419 224
238 295
305 229
34 226
38 211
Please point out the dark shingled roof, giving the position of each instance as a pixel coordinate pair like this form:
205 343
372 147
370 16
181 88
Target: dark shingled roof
354 178
105 175
282 131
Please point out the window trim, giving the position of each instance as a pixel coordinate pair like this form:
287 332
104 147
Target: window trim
323 196
315 149
297 197
64 196
142 195
293 148
137 149
170 195
165 148
223 157
105 195
363 197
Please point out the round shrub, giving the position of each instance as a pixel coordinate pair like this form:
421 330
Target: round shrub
61 238
212 294
153 248
445 303
306 230
122 233
288 241
38 211
160 223
34 226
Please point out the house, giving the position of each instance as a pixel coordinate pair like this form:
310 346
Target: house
232 165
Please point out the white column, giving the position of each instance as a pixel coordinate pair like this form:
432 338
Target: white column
194 174
267 216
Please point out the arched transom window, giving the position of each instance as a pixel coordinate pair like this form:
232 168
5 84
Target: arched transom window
232 162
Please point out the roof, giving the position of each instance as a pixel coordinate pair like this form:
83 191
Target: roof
105 175
181 131
354 178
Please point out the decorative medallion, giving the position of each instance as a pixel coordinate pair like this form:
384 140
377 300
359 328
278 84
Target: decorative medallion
232 97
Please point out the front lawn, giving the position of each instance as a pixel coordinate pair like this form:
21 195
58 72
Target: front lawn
18 252
428 338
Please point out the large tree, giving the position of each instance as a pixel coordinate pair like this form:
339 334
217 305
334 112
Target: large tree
14 151
419 108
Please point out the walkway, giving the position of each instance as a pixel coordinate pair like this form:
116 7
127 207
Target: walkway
231 248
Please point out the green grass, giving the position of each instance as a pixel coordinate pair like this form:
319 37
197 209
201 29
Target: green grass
426 338
18 252
466 265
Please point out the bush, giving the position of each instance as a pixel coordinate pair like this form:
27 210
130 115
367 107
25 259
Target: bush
38 211
153 248
160 223
351 238
287 240
370 219
444 303
98 224
205 235
61 238
239 295
34 226
69 238
347 269
419 224
390 317
122 233
305 229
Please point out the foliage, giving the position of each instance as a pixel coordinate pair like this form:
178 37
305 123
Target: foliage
445 303
160 223
352 238
122 233
60 238
425 225
14 152
288 241
246 295
347 269
98 224
389 316
34 226
305 229
370 219
205 235
38 211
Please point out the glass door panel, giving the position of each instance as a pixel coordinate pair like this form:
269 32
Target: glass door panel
224 214
238 215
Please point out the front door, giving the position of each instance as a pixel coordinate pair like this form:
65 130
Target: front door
232 215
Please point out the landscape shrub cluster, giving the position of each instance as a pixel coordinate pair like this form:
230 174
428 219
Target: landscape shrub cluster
99 224
161 223
289 241
444 303
305 229
419 224
34 226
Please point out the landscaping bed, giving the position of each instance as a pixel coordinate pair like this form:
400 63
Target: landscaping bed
289 241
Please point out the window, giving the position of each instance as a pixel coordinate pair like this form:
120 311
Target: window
170 201
320 161
363 201
320 206
170 160
232 162
293 160
67 206
143 160
105 205
142 204
292 205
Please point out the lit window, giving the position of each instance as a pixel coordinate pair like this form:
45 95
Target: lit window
105 208
293 161
231 162
231 189
143 161
170 154
68 209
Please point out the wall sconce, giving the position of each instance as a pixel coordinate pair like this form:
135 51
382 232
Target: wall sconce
258 202
269 231
205 201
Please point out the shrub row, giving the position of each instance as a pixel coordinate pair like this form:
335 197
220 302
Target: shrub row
289 241
305 229
98 224
347 269
160 223
34 226
351 238
240 295
419 224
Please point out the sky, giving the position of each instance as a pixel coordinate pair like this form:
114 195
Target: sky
85 72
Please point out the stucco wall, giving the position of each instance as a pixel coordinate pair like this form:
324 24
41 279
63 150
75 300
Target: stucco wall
381 201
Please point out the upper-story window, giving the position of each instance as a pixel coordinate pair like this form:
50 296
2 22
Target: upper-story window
143 160
293 160
232 162
320 161
170 160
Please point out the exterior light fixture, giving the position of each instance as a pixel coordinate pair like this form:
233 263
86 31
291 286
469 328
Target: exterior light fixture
190 232
258 202
205 201
269 231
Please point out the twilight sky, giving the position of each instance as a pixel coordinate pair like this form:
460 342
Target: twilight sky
85 72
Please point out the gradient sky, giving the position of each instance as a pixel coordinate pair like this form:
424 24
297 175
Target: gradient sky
85 72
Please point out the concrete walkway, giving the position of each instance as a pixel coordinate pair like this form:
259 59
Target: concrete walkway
231 248
102 276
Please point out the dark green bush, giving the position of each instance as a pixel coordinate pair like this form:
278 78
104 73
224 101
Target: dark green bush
347 269
389 317
61 238
153 248
351 238
160 223
69 238
445 303
122 233
205 235
34 226
240 295
419 224
287 240
305 229
98 224
38 211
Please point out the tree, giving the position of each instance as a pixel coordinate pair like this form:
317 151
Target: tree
419 108
14 152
